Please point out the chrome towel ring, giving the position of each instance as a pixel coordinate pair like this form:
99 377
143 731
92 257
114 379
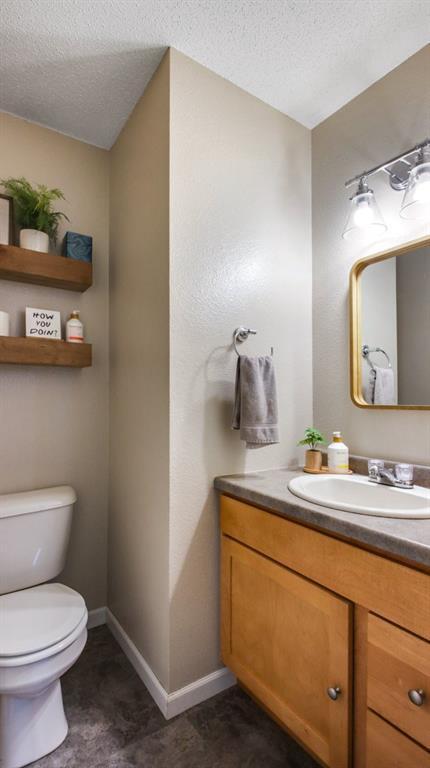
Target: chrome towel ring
241 334
366 351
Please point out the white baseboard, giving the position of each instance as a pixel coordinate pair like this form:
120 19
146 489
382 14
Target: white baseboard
135 657
170 704
96 618
199 691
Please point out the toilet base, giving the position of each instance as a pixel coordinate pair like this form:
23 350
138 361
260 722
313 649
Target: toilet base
31 727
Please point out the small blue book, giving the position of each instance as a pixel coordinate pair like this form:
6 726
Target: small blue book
79 247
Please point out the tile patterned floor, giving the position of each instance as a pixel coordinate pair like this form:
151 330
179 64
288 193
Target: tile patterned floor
114 723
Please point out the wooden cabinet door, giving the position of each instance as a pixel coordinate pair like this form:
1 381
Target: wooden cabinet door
288 641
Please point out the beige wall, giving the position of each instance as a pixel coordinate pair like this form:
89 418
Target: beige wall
240 253
139 479
54 422
237 199
387 119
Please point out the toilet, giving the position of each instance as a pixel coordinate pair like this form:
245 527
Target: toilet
43 625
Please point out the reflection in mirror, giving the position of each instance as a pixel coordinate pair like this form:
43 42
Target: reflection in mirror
395 330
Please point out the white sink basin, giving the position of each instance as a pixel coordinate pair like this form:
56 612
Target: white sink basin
354 493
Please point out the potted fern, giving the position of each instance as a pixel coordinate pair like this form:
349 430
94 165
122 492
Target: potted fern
313 456
37 220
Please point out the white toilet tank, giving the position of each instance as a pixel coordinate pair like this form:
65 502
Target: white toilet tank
34 535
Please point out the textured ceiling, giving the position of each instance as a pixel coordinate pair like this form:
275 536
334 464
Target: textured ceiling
79 66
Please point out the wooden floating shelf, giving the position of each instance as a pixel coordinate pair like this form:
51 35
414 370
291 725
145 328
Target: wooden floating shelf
26 266
16 350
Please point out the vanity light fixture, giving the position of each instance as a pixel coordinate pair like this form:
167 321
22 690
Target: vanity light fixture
409 171
364 216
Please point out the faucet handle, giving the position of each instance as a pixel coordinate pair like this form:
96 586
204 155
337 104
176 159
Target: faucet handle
374 466
405 473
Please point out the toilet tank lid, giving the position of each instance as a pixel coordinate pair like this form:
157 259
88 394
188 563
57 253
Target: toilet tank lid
13 504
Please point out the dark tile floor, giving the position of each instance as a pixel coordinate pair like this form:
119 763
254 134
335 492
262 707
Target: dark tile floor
114 723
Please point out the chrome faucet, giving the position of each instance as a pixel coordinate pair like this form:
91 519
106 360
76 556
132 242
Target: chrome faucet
383 476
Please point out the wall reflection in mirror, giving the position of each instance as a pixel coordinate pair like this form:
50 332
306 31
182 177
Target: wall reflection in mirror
393 340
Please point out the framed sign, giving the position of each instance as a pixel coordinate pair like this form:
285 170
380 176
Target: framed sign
6 220
42 323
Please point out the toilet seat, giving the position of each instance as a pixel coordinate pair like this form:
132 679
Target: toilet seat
39 622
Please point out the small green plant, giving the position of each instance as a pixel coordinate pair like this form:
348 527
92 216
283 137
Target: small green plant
33 206
312 438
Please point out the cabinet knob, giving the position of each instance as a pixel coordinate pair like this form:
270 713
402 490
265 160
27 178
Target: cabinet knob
334 693
416 696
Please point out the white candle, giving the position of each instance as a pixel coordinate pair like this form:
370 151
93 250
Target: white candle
4 324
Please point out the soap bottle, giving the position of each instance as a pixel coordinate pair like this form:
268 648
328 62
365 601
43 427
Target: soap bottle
74 328
338 455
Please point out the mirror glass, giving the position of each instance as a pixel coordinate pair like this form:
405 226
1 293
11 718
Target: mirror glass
393 338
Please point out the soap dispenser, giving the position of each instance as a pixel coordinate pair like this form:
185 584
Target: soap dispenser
338 455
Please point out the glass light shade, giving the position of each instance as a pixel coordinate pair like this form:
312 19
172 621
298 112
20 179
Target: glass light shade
365 220
416 202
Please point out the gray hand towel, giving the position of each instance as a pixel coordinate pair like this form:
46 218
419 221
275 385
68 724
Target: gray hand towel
255 411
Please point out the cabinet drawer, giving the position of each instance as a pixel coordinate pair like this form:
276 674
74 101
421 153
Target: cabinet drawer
398 662
388 748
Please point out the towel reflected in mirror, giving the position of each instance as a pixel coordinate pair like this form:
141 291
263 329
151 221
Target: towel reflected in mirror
380 390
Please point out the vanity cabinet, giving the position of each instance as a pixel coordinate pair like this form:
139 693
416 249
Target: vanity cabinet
331 639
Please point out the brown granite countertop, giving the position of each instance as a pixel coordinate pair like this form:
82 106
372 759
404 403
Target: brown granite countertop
405 538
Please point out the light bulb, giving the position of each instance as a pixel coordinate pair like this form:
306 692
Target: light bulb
363 213
422 192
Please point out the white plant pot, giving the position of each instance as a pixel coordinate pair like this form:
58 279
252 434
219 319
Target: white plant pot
34 240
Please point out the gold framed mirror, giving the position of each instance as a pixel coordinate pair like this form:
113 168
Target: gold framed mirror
389 304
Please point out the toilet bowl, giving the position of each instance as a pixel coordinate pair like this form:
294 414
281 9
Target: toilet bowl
42 627
43 632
